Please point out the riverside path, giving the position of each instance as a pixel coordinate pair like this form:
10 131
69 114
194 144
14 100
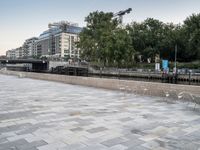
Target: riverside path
44 115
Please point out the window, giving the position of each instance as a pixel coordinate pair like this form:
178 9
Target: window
66 51
66 46
66 56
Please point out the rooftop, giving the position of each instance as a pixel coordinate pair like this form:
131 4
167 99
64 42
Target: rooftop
73 29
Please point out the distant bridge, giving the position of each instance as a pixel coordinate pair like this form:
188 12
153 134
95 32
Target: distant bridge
37 65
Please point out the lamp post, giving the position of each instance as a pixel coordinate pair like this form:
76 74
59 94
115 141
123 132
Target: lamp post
175 65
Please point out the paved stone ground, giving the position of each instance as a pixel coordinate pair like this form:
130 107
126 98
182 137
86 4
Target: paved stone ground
42 115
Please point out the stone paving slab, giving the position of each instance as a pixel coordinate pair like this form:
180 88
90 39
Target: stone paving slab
42 115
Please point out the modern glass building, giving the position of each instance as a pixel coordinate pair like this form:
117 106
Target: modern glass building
59 40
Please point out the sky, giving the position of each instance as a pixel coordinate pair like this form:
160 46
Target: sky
23 19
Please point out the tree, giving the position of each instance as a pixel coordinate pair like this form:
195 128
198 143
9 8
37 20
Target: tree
96 37
137 35
147 37
191 30
104 41
122 47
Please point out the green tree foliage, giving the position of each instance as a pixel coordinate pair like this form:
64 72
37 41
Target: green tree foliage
122 51
191 31
152 37
96 38
104 41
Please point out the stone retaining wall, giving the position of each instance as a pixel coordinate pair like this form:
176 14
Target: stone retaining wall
138 87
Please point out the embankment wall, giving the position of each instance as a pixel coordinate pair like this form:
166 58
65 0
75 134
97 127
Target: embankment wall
138 87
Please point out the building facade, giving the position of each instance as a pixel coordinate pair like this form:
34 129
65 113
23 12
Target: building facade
11 54
15 53
19 52
59 41
30 47
27 50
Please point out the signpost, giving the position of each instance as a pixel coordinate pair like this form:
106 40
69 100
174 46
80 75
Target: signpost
165 65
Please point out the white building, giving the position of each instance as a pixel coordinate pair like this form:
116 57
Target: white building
19 52
29 47
15 53
59 41
11 54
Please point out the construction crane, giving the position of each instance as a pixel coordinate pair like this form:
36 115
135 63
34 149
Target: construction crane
120 14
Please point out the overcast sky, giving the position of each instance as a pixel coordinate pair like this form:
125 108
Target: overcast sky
22 19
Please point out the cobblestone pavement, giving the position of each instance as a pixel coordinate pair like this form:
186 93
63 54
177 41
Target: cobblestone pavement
42 115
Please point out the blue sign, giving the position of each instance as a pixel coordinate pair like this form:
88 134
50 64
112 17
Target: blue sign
165 64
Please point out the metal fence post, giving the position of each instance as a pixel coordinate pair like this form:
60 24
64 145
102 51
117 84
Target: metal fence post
189 77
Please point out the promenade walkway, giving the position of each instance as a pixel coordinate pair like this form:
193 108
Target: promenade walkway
43 115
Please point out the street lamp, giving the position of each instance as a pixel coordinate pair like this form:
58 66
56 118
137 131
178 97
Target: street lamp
175 66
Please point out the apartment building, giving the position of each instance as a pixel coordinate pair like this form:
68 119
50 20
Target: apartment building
59 40
11 54
15 53
19 52
29 47
27 50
